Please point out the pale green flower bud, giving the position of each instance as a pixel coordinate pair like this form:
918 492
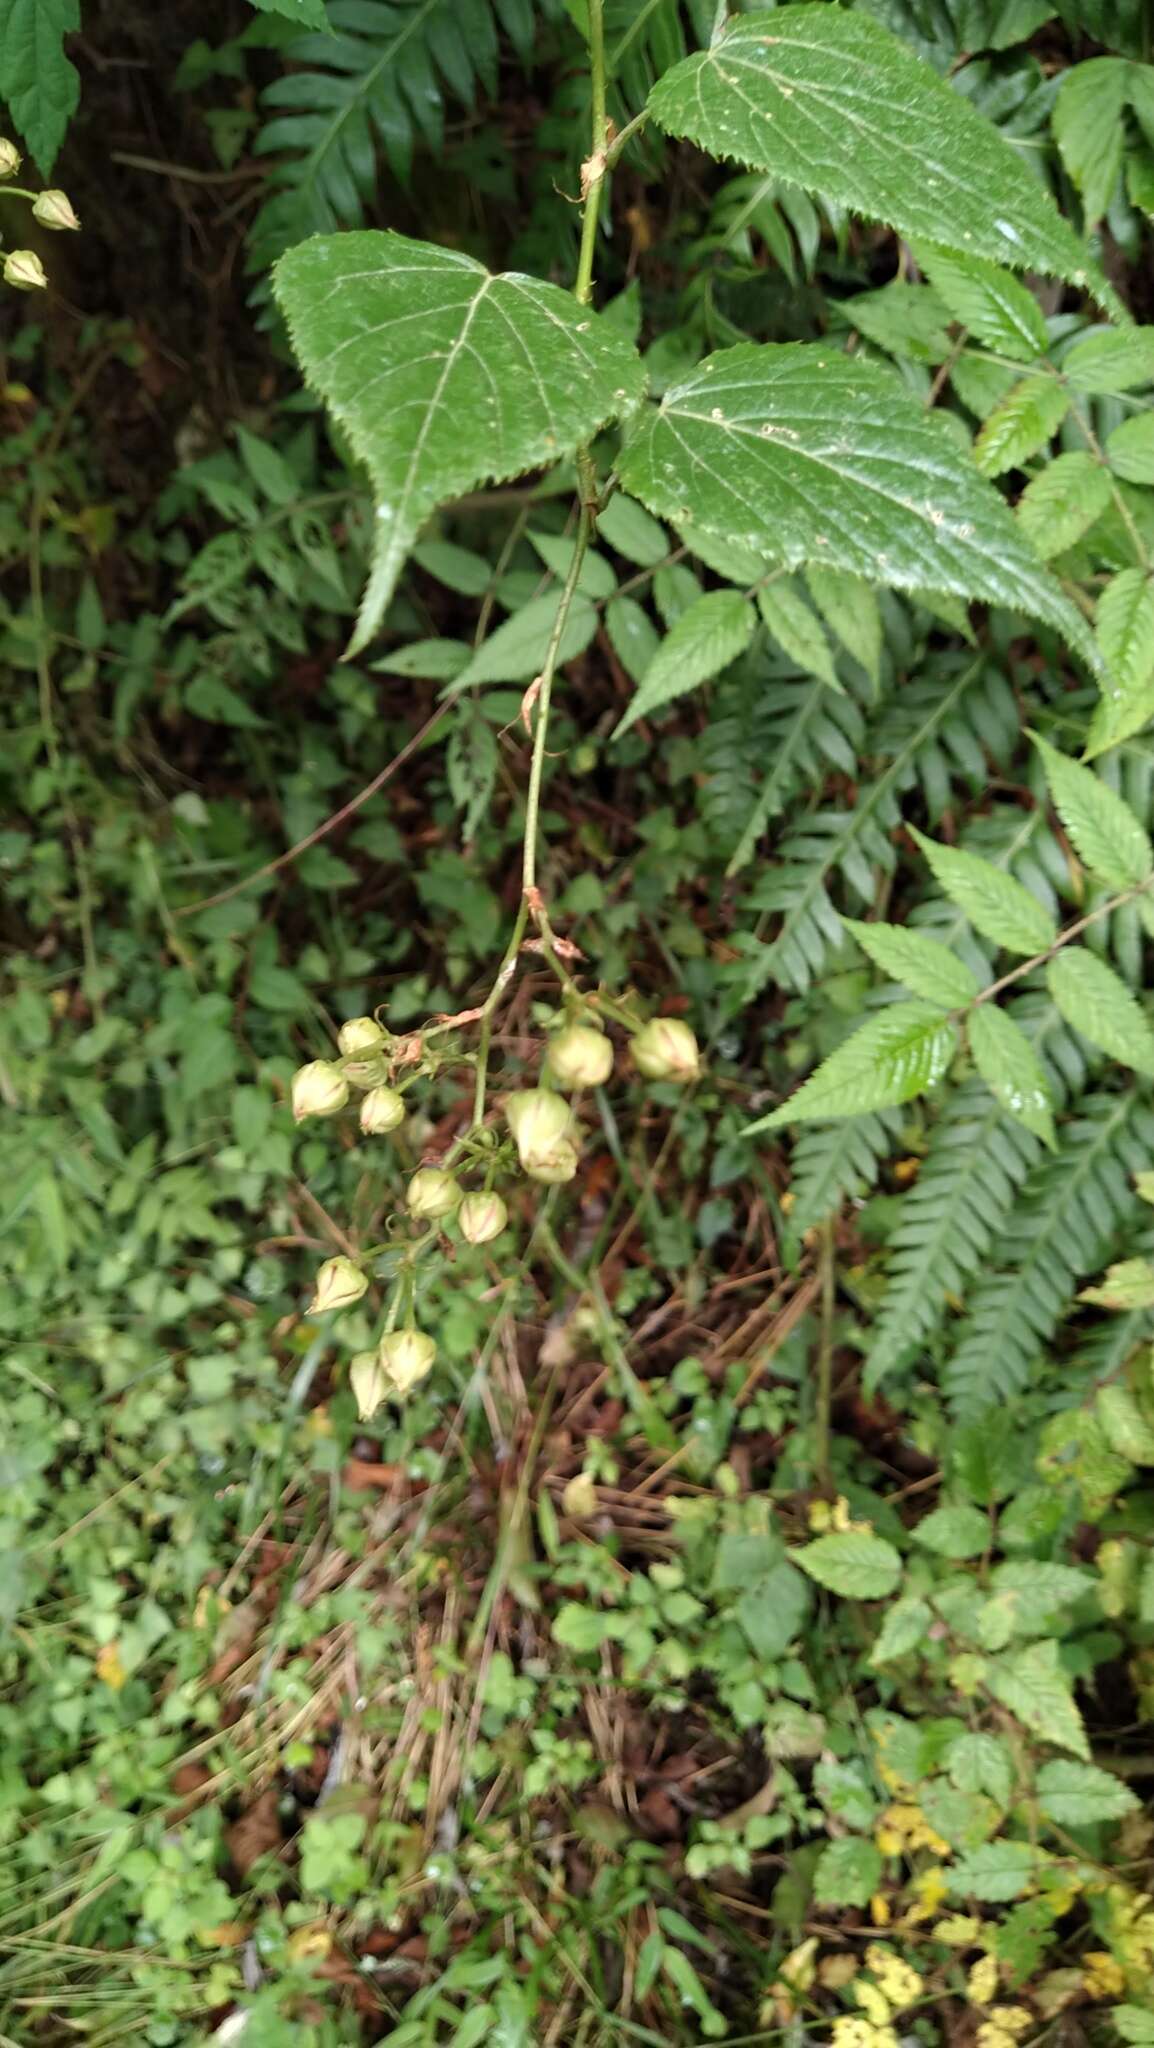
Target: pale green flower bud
666 1050
338 1284
406 1358
538 1119
24 270
580 1057
361 1034
432 1193
319 1089
54 210
368 1383
556 1166
10 159
482 1217
382 1109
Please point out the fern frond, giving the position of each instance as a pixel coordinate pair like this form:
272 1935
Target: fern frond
957 747
835 1163
644 38
855 845
953 1214
1075 1207
801 728
376 84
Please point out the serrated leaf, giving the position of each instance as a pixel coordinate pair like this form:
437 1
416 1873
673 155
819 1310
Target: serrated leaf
627 526
1021 424
853 1563
706 638
1130 449
1126 1429
1125 630
1011 1069
997 905
831 101
1041 1587
806 455
443 375
847 1873
903 1630
955 1532
1076 1795
1035 1688
516 651
1062 502
1111 360
982 1763
797 632
891 1058
850 610
923 965
771 1610
38 84
988 301
1087 124
1097 1002
1104 832
995 1872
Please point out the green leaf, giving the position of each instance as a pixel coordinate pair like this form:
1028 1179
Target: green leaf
1021 424
847 1873
850 610
309 13
1124 627
891 1058
997 905
845 1791
982 1763
903 1630
1104 832
1011 1069
516 651
1125 1427
1130 449
1134 2024
807 455
1111 360
831 101
706 638
924 966
1035 1688
1097 1002
1040 1587
595 577
1087 124
632 635
955 1532
771 1610
986 300
38 85
628 528
1076 1795
995 1872
436 661
444 376
1062 502
797 632
471 767
853 1563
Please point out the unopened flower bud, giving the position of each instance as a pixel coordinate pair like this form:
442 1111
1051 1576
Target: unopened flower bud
359 1035
482 1217
54 210
554 1167
24 270
666 1050
406 1358
368 1383
10 159
538 1119
432 1193
382 1109
580 1057
319 1089
338 1284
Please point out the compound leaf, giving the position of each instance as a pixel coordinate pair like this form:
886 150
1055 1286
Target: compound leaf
891 1058
443 375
